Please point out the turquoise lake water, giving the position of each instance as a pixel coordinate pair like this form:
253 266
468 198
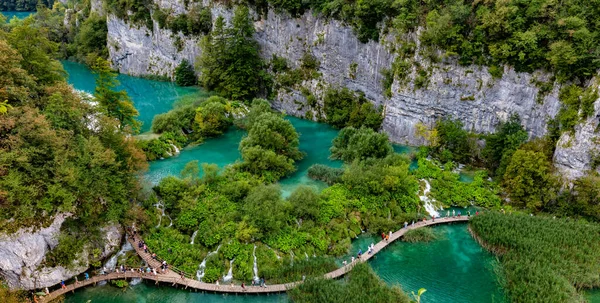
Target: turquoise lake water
448 268
149 97
19 15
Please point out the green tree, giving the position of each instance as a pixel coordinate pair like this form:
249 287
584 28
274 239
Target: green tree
37 52
528 180
212 118
185 74
116 104
230 63
453 141
90 41
360 144
500 147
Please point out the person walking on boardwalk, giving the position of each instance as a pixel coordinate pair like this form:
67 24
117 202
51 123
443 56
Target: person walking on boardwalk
62 284
405 224
453 213
382 236
87 276
447 213
243 286
390 234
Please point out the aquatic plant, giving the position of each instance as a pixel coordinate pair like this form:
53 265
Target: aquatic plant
424 234
543 259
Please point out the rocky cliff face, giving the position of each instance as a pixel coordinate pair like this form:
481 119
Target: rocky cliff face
470 94
575 151
22 253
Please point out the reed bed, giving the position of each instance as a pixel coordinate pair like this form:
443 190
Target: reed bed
543 259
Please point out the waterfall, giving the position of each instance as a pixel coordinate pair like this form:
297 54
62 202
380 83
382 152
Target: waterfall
429 207
255 268
175 148
202 267
229 275
111 264
292 257
306 255
193 237
160 205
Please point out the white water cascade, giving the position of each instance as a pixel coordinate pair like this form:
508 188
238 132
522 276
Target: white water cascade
202 267
429 207
161 206
255 267
306 255
193 237
111 264
229 275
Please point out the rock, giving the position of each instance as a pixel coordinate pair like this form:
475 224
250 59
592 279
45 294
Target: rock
467 93
22 253
573 155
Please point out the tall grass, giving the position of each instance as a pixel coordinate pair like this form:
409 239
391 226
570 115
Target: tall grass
360 285
543 259
424 234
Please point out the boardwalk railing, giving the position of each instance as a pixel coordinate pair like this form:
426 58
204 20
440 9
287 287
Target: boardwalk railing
174 276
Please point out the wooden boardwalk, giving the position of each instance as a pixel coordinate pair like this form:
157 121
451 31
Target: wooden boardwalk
176 277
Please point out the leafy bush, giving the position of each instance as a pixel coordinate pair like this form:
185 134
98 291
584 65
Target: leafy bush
360 144
345 108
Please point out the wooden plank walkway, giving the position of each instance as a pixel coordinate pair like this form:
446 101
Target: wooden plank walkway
176 277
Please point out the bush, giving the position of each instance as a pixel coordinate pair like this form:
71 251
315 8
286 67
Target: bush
346 108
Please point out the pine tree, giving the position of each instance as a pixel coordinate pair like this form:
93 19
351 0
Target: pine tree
184 74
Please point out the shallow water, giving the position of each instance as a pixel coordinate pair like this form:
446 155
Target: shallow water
149 97
19 15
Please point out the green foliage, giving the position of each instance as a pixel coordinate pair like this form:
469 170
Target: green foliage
136 11
90 40
325 173
230 63
116 104
500 146
185 74
447 188
360 285
577 105
37 52
543 259
271 146
120 283
175 120
454 143
212 117
529 181
360 144
424 234
345 108
162 147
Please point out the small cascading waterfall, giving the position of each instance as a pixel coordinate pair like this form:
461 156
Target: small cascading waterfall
161 206
429 207
202 267
306 255
111 264
193 237
255 267
229 275
292 257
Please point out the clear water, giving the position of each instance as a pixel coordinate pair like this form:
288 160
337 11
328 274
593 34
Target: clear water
149 97
19 15
452 269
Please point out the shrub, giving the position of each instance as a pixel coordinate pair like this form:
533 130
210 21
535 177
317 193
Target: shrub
325 173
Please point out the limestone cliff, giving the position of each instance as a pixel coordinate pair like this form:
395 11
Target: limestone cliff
22 255
468 93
